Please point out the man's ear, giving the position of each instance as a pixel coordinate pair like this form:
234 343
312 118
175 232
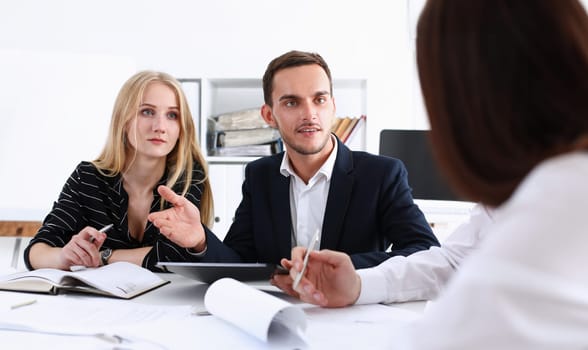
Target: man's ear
334 106
268 115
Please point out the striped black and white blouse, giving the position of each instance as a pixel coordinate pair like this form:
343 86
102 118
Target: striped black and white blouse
89 198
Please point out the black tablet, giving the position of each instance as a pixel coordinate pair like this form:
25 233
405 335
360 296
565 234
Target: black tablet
210 272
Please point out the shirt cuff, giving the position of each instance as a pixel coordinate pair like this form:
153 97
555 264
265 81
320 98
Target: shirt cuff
373 286
197 254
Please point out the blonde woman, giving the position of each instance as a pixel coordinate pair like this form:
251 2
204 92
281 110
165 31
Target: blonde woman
101 214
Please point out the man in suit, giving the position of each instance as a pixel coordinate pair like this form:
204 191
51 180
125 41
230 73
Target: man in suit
358 202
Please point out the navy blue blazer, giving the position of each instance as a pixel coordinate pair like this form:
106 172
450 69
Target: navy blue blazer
369 208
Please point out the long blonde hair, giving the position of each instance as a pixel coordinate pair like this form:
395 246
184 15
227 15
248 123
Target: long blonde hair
113 159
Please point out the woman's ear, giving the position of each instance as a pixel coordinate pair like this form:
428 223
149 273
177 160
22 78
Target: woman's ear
268 115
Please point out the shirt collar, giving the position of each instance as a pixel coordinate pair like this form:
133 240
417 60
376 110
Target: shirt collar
326 169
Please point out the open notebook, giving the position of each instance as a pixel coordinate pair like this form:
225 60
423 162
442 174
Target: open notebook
121 280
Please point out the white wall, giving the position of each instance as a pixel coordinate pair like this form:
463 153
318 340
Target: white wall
55 112
220 38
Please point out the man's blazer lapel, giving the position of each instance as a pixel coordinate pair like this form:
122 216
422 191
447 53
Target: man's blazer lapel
339 196
280 207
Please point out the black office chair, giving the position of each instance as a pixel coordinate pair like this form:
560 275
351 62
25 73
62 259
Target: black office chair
413 149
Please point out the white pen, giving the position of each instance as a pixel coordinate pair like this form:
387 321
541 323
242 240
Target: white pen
104 229
75 268
311 246
24 303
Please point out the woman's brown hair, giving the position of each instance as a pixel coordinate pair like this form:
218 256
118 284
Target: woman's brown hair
505 84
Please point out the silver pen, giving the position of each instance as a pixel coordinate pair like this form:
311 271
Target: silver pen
311 246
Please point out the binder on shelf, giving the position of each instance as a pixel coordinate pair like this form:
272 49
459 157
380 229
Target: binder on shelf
242 133
240 120
233 138
266 149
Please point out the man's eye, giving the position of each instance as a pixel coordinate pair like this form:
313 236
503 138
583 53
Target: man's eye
321 100
290 103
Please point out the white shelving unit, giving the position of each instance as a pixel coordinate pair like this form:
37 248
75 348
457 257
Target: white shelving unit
211 97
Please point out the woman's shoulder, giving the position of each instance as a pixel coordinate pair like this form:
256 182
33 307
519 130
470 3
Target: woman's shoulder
557 178
86 165
83 168
88 173
86 168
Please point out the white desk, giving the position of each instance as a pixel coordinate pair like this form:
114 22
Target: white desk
368 327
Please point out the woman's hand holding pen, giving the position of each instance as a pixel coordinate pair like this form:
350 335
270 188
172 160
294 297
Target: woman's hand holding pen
181 223
329 280
83 249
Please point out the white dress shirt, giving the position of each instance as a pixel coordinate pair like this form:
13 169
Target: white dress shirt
308 201
422 275
527 285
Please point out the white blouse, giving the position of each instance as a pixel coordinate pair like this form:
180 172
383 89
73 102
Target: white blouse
422 275
527 285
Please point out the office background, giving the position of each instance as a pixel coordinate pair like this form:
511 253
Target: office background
63 61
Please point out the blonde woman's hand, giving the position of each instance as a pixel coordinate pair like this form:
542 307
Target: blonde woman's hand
83 249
